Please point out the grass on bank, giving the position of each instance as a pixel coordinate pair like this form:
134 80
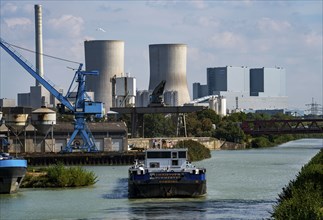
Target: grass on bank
59 176
302 198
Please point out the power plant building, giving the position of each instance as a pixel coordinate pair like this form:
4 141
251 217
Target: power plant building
199 90
168 62
244 88
268 82
230 79
107 57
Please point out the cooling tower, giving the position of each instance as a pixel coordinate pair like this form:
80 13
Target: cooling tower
106 56
168 62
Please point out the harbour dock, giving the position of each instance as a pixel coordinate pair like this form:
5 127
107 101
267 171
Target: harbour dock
100 158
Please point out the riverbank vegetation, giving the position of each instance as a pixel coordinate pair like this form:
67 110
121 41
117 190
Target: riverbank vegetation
59 176
196 150
303 197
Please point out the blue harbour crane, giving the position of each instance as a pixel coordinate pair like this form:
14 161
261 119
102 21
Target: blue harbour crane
82 108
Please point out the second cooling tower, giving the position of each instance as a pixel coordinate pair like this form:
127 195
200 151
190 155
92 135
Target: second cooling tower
106 56
168 62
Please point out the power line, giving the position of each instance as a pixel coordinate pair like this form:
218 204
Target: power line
46 55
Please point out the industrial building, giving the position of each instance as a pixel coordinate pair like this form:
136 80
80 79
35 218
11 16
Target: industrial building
246 88
37 130
199 90
268 82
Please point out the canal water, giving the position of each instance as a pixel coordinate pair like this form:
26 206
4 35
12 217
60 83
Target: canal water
240 185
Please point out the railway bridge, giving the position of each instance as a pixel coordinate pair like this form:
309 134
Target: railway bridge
290 126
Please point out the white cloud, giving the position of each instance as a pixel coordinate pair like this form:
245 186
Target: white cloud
199 4
13 22
68 24
227 40
9 8
313 39
268 24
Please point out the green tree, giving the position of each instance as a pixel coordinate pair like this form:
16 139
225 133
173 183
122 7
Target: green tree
230 131
159 125
209 114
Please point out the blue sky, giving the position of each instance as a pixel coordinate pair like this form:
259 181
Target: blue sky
218 33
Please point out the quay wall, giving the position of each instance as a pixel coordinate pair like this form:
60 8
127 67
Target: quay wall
119 158
210 143
82 158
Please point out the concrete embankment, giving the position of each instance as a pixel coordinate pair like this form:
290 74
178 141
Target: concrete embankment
210 143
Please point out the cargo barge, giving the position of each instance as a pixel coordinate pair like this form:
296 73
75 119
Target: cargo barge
166 173
12 172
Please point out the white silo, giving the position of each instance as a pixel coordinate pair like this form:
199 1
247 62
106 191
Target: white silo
214 104
168 62
43 119
125 91
107 57
223 106
139 98
171 98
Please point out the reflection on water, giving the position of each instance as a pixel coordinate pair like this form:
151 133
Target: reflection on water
119 191
192 209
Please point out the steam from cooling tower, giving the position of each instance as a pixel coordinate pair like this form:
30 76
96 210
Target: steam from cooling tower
39 41
168 62
107 57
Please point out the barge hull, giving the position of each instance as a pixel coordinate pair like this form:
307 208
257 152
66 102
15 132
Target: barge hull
141 189
11 178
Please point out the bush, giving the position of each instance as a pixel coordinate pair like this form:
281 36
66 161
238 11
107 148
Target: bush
60 176
196 150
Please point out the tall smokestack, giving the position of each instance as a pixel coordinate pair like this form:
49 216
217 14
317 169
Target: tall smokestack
39 41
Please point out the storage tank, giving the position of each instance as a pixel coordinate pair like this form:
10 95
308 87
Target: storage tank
168 62
171 98
43 119
15 120
139 98
107 57
223 106
214 104
125 91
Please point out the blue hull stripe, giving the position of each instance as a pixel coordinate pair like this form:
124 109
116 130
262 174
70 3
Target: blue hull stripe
13 163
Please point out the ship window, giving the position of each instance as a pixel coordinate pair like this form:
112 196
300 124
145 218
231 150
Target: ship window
174 154
174 162
182 154
158 154
154 165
